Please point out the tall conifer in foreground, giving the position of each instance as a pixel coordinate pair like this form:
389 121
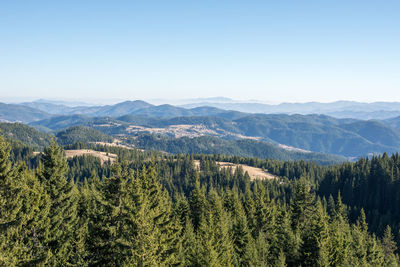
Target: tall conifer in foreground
63 198
21 213
111 226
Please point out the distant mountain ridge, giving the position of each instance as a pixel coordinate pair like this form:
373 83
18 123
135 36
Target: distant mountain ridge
348 137
136 107
21 113
338 109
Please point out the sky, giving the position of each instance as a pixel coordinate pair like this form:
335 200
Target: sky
272 51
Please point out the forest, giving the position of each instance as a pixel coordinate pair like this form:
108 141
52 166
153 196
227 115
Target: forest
156 209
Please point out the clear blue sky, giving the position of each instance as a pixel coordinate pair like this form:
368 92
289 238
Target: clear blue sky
268 50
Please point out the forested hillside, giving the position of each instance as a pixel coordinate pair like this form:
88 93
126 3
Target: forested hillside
81 134
25 134
151 209
241 148
317 133
348 137
201 145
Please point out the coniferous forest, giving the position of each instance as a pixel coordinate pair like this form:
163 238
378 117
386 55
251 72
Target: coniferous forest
199 133
153 209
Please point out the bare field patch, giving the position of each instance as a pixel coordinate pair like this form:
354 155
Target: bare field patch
188 130
103 156
254 173
177 131
116 143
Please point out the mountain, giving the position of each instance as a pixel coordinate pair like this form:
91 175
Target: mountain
197 145
116 110
375 131
61 122
364 115
50 107
338 109
136 107
393 122
162 111
317 133
214 145
213 106
169 111
25 134
21 113
120 109
57 123
82 134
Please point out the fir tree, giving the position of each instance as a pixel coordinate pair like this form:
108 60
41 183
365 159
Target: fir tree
63 197
197 204
21 213
389 248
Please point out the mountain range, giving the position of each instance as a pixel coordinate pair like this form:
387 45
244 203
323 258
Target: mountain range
83 136
338 109
350 137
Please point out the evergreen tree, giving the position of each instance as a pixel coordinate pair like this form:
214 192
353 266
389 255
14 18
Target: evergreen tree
389 248
155 222
60 238
360 240
339 241
286 238
21 213
111 225
197 204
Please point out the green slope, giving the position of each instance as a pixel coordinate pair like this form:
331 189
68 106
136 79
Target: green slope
25 134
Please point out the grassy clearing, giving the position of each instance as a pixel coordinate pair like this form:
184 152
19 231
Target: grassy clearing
103 156
254 173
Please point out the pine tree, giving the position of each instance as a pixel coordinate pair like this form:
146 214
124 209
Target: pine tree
339 241
249 208
63 196
134 225
286 238
10 206
375 253
262 248
182 210
111 225
281 262
389 248
302 205
213 242
243 242
188 251
197 202
359 240
218 222
21 216
313 249
155 211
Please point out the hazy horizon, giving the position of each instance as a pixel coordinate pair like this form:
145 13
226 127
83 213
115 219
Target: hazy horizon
160 101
